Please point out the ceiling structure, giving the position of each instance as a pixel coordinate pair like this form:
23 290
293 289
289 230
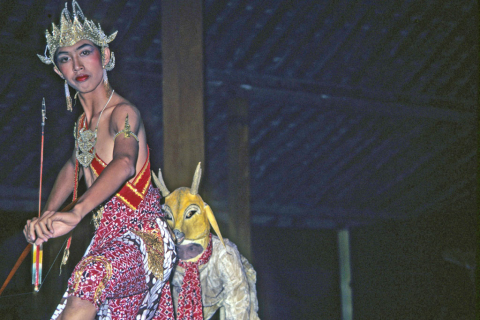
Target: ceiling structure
358 111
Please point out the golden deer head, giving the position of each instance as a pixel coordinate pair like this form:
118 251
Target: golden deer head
188 215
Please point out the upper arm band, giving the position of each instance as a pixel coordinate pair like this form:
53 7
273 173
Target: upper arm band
128 133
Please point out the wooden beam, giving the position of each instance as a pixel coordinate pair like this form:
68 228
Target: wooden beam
345 273
183 90
239 176
264 88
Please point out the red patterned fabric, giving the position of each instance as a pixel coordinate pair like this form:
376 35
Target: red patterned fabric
107 273
114 275
131 193
165 308
190 297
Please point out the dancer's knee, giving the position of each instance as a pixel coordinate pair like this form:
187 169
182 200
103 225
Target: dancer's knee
77 308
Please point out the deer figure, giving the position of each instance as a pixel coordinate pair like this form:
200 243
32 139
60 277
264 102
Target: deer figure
211 273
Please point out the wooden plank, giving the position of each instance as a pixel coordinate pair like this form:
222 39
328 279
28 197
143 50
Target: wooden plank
345 273
239 176
183 90
266 88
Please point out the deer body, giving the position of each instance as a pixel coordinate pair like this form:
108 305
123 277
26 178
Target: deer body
227 279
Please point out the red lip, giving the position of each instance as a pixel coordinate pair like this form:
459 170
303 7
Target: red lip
81 78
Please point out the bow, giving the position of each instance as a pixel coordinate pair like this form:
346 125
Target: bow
38 252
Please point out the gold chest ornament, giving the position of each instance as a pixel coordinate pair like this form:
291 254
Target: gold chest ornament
86 140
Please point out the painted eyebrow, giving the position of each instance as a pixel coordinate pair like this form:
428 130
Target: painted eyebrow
83 46
79 48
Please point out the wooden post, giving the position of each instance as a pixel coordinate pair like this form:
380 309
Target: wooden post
239 176
345 273
183 91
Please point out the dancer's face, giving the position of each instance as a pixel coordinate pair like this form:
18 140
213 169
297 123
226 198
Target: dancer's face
81 65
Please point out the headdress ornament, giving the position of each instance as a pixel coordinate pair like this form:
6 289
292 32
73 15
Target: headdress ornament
71 31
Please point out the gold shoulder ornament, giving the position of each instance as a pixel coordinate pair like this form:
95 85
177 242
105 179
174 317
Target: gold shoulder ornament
128 133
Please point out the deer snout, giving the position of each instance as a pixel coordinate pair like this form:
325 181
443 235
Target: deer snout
179 235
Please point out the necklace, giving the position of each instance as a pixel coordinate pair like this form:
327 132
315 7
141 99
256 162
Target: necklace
87 139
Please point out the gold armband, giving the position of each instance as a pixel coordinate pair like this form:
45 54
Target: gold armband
128 133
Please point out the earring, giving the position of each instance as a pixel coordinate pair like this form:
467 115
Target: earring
111 64
75 98
67 97
106 85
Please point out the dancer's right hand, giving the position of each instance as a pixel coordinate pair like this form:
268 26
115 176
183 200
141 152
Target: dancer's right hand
51 224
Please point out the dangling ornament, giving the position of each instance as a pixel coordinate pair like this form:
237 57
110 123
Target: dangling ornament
75 99
106 85
68 98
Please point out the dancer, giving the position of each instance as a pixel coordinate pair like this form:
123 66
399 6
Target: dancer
131 255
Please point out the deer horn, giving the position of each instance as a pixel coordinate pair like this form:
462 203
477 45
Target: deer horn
160 183
196 179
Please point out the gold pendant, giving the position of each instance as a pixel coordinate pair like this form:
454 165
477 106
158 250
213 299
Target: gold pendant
85 158
86 142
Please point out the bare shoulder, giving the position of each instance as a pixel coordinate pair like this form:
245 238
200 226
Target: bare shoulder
124 107
121 110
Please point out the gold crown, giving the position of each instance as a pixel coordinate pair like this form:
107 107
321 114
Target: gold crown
72 31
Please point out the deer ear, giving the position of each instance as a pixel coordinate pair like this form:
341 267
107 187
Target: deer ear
213 222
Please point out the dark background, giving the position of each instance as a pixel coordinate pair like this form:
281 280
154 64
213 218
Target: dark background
362 115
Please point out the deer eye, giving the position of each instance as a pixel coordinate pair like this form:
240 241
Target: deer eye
191 211
168 213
